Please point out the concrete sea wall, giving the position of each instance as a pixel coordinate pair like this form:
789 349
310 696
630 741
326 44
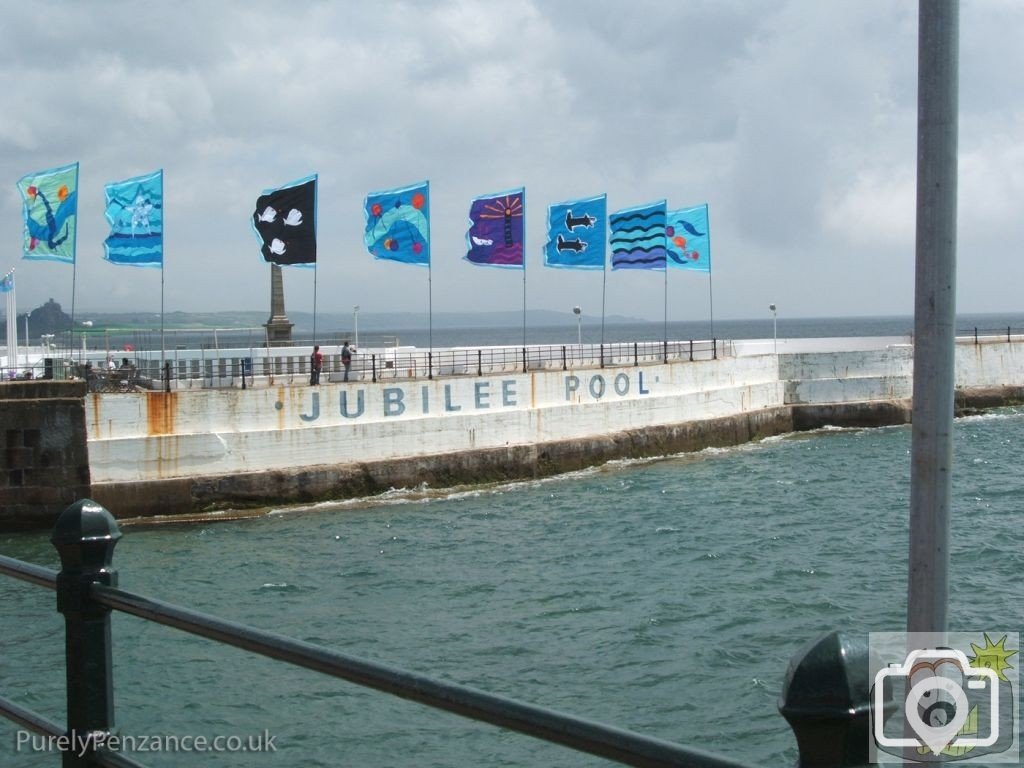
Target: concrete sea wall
160 453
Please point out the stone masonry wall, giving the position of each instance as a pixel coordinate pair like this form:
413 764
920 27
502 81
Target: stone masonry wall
45 455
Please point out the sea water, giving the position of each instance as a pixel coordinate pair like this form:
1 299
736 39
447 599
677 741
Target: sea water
663 596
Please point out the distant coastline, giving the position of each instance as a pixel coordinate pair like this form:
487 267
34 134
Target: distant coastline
376 322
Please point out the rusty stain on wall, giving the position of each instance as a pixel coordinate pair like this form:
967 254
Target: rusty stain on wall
161 408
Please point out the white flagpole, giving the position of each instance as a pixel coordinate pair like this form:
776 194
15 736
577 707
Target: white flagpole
12 325
12 313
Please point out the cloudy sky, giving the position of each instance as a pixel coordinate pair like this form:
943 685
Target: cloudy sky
795 120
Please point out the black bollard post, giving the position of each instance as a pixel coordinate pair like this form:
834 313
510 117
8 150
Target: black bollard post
826 698
85 536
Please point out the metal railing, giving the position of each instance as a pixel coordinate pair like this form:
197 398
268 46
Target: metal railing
825 696
263 367
990 335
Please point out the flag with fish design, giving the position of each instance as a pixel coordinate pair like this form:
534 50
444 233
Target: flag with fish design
638 237
495 236
576 233
398 224
135 212
50 207
285 223
689 239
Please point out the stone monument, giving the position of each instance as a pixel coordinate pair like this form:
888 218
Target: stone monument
279 328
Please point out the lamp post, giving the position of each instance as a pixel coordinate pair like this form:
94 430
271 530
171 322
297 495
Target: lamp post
355 324
579 325
775 328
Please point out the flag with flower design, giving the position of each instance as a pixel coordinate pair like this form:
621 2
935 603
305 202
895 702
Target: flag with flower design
50 207
398 224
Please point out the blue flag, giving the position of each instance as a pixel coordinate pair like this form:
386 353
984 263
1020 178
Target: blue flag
638 237
135 212
7 283
576 233
398 224
50 208
495 236
689 239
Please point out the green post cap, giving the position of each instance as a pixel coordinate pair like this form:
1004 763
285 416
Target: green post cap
85 535
826 698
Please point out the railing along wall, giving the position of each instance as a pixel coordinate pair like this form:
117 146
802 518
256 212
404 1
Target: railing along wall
825 695
269 366
241 368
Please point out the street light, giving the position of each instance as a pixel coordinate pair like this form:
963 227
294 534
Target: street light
775 328
579 325
355 323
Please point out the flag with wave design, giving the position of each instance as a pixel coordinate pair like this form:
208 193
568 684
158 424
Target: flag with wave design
398 224
576 233
50 208
689 239
135 211
638 237
495 236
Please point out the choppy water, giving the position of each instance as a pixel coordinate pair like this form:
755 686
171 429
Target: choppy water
664 596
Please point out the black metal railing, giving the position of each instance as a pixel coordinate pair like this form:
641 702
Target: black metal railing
272 366
982 335
825 696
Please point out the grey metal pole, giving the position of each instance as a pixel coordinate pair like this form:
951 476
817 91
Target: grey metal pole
934 315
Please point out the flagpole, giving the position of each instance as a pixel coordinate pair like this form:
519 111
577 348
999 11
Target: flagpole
163 230
316 200
711 295
604 292
524 274
430 282
12 322
74 268
666 305
711 305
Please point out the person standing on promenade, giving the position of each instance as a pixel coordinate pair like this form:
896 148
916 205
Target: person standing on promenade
316 364
346 357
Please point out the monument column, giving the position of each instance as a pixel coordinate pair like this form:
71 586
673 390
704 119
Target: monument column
279 329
